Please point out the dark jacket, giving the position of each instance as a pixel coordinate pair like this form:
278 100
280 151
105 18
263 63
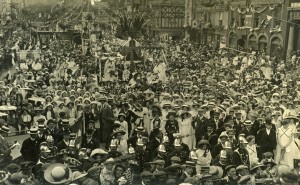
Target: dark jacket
199 124
30 150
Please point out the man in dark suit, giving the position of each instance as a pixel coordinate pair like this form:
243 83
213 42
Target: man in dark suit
199 123
211 136
41 136
266 139
217 149
106 120
181 149
216 121
64 144
5 148
59 135
248 129
89 141
30 149
51 128
188 171
238 123
240 155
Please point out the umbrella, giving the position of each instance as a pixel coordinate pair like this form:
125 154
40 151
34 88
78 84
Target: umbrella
7 107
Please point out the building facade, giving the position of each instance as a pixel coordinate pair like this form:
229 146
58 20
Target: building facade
169 18
210 21
293 27
258 25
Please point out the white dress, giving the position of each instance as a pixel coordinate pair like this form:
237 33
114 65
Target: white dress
252 154
285 138
124 126
185 128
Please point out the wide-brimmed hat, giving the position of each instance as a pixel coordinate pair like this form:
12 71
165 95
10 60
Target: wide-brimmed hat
267 162
203 142
158 162
13 179
77 175
185 112
110 161
57 174
223 134
121 114
216 171
4 129
119 131
248 123
242 167
171 113
98 151
257 165
33 130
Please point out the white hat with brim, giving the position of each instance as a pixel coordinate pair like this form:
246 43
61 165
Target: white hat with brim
77 175
98 151
57 174
110 161
33 130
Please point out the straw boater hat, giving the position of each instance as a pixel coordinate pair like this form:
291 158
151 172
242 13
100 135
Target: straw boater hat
33 130
57 174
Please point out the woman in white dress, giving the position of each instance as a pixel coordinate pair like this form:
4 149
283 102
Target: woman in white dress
251 148
186 129
287 149
203 154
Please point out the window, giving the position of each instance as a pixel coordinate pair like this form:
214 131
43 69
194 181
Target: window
277 16
242 18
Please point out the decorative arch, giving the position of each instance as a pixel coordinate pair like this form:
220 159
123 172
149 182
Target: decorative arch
252 41
275 42
262 41
232 41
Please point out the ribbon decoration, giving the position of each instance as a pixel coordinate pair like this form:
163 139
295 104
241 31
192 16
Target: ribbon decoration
243 12
250 8
260 11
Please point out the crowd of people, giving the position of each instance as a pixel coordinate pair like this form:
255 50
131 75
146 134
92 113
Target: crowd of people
183 114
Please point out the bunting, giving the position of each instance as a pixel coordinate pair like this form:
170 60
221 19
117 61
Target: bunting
251 9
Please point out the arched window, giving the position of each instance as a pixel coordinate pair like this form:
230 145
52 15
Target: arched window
232 40
252 42
262 43
275 42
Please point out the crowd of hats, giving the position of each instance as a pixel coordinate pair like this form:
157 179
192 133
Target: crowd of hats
195 83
